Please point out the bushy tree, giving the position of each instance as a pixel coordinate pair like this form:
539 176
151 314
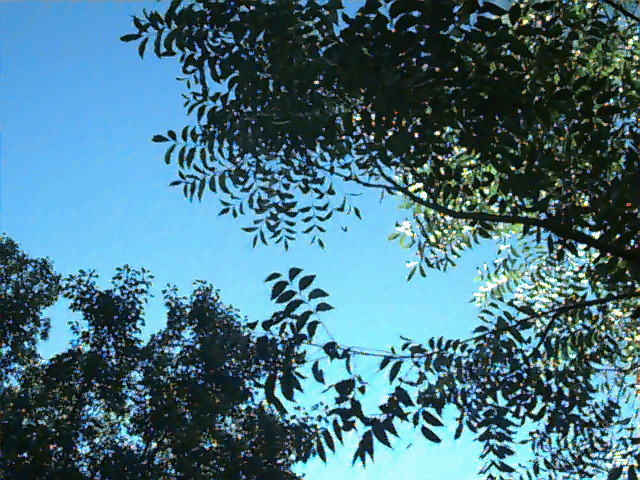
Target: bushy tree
27 287
508 122
188 403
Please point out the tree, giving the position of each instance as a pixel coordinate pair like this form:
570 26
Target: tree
27 287
508 122
187 403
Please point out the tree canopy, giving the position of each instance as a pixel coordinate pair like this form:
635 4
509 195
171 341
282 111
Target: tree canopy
186 404
514 123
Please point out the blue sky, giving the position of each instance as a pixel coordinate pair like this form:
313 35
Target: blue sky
83 184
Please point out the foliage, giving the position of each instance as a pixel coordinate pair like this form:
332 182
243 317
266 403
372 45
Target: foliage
187 403
551 376
27 287
512 123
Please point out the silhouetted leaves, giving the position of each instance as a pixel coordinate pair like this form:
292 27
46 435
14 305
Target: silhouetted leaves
507 123
189 402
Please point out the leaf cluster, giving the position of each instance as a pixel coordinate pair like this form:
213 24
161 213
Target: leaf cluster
520 116
509 123
536 376
187 403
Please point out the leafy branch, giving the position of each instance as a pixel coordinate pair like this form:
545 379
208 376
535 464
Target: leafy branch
546 224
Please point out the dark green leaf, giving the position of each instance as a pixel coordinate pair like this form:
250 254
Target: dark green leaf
431 419
293 272
429 435
311 328
159 138
320 450
142 47
317 372
328 440
278 288
272 277
305 282
130 37
395 369
323 307
615 473
286 296
381 434
317 293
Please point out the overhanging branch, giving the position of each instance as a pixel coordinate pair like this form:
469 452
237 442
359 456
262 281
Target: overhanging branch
557 312
558 229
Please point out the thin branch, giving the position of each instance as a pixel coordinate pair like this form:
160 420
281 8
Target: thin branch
557 312
554 312
357 180
559 230
592 303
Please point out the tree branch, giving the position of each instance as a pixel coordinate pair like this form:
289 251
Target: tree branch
557 312
559 230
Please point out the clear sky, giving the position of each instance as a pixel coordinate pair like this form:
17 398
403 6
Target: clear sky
82 183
